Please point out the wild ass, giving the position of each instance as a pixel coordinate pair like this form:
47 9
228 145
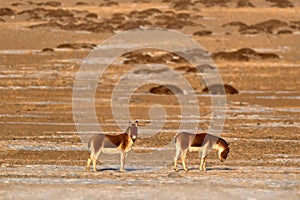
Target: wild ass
201 142
112 144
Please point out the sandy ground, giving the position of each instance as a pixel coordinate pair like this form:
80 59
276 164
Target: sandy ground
42 47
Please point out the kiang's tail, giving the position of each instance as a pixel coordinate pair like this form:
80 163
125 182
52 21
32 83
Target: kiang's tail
89 143
175 137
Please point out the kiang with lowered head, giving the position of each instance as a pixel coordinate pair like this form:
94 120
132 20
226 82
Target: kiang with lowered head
202 143
113 144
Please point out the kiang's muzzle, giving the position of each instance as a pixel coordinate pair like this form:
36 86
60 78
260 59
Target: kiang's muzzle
133 137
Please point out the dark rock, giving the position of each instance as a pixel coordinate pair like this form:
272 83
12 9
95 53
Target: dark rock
59 13
268 26
76 46
47 50
220 89
239 24
109 4
284 31
151 11
137 57
182 68
187 69
6 12
194 54
90 26
281 3
16 4
205 68
244 3
182 4
192 70
133 24
211 3
167 90
92 15
80 3
141 1
52 3
150 71
244 54
295 25
203 33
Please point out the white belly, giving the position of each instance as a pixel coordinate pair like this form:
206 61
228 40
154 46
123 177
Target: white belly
194 149
113 150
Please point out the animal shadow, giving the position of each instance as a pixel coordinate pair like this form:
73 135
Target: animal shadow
128 169
219 169
212 169
108 169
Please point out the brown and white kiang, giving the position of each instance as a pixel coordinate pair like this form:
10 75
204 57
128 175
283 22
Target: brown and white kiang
202 143
112 144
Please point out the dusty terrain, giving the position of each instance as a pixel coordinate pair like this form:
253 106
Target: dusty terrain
255 45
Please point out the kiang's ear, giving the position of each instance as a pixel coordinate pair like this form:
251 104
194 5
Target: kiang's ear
137 122
129 122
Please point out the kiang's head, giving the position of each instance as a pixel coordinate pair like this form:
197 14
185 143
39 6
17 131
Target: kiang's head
223 149
223 155
133 130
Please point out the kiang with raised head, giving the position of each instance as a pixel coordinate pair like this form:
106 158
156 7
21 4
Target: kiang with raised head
112 144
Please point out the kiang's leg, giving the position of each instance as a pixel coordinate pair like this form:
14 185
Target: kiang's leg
95 163
203 164
176 157
122 160
203 156
88 163
95 158
183 156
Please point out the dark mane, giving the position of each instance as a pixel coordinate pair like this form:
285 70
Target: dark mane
127 130
222 142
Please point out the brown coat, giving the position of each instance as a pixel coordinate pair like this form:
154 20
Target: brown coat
201 142
120 143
